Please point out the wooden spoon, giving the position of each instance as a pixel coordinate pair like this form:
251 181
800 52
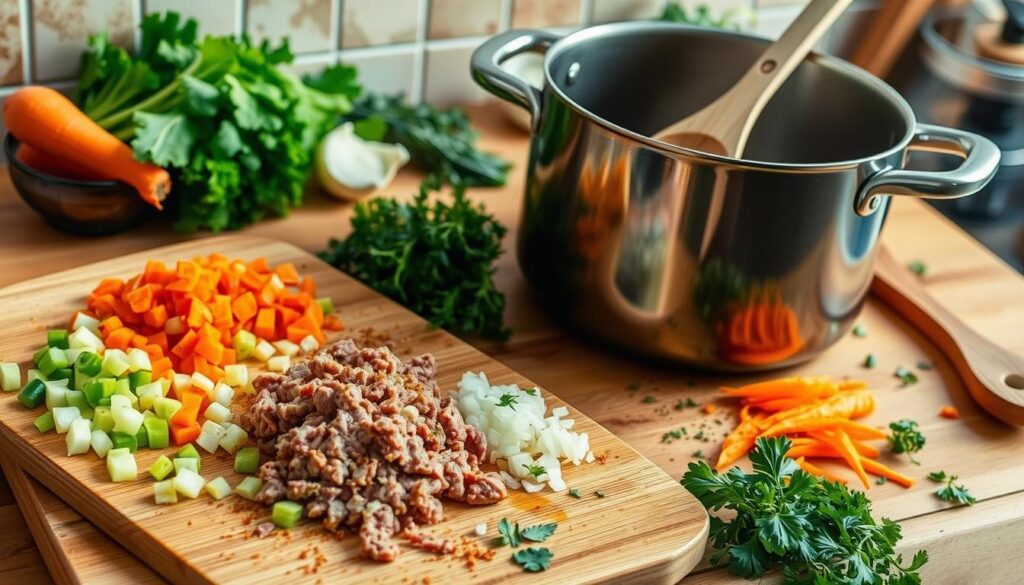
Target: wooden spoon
993 376
724 125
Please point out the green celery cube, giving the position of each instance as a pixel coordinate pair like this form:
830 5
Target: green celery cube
103 419
161 468
139 378
125 441
247 460
157 433
57 338
53 360
44 423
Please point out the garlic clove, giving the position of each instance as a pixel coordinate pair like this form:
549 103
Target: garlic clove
349 167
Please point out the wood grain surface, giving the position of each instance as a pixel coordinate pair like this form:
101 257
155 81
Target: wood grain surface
975 545
601 539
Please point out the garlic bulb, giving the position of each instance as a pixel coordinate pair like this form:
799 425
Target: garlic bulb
349 167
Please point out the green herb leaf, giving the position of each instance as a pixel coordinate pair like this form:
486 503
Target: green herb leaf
531 391
905 437
955 493
509 400
906 376
859 330
917 267
870 361
575 492
881 480
536 470
532 559
648 400
163 139
937 476
539 532
509 533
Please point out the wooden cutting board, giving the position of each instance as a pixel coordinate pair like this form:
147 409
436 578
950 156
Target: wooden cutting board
605 539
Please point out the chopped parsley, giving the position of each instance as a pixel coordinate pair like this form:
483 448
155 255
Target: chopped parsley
649 399
509 400
633 386
688 403
881 480
870 361
924 365
539 532
536 470
859 330
698 454
906 438
509 533
906 376
575 492
951 492
917 267
673 434
531 391
533 560
699 435
599 493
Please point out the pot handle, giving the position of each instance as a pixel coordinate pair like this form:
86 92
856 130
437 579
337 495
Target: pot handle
488 74
981 161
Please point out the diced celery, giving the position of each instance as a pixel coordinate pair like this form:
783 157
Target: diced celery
223 394
44 422
10 377
76 398
79 437
186 463
201 382
103 419
63 416
138 360
308 344
89 363
98 391
181 383
82 320
125 441
63 374
57 338
127 420
115 362
233 439
34 374
218 413
263 351
166 407
218 488
38 355
156 432
148 394
142 437
209 437
247 460
188 483
285 347
140 378
161 468
121 389
101 443
56 395
72 354
236 375
119 401
80 380
286 513
121 465
52 360
33 394
164 492
249 487
326 305
148 414
188 451
165 385
85 338
244 342
279 363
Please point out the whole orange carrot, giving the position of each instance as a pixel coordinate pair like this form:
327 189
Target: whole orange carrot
46 120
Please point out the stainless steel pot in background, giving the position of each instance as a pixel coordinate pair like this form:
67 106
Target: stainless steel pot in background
716 262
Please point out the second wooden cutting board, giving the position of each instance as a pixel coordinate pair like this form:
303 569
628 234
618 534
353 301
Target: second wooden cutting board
599 539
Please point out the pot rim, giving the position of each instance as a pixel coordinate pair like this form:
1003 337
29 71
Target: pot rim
840 66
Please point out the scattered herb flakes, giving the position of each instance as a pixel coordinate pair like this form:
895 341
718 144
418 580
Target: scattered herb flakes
649 400
906 438
699 435
575 492
924 365
906 376
815 531
539 532
699 454
533 560
536 470
686 403
509 533
633 386
672 435
859 330
881 480
509 400
531 391
870 361
599 493
917 267
951 492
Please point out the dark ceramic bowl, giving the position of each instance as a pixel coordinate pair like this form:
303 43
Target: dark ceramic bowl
88 208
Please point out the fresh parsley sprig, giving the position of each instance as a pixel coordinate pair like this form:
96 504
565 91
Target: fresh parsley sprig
951 491
906 438
530 559
817 531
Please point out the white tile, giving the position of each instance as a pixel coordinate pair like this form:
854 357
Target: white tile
306 23
385 71
61 28
378 22
448 81
616 10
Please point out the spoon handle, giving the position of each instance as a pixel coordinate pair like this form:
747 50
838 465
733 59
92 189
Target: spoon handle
992 375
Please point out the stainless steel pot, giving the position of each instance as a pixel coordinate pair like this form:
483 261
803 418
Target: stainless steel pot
717 262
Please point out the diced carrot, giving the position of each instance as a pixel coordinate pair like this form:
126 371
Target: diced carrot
183 434
198 314
139 341
227 358
244 307
253 281
155 271
201 365
267 295
141 299
186 345
287 316
109 286
333 323
191 401
119 339
209 345
308 286
949 412
265 324
709 408
159 340
154 352
260 266
287 273
296 334
156 316
160 366
110 324
221 311
186 365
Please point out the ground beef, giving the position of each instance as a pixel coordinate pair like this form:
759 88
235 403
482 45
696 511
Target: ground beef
368 444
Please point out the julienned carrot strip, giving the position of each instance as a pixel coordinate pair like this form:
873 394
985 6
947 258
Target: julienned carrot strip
43 118
841 442
785 388
815 470
805 425
854 404
739 442
875 468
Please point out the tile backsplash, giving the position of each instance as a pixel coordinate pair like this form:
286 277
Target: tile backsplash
418 47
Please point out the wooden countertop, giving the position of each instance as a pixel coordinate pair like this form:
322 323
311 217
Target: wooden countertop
963 275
